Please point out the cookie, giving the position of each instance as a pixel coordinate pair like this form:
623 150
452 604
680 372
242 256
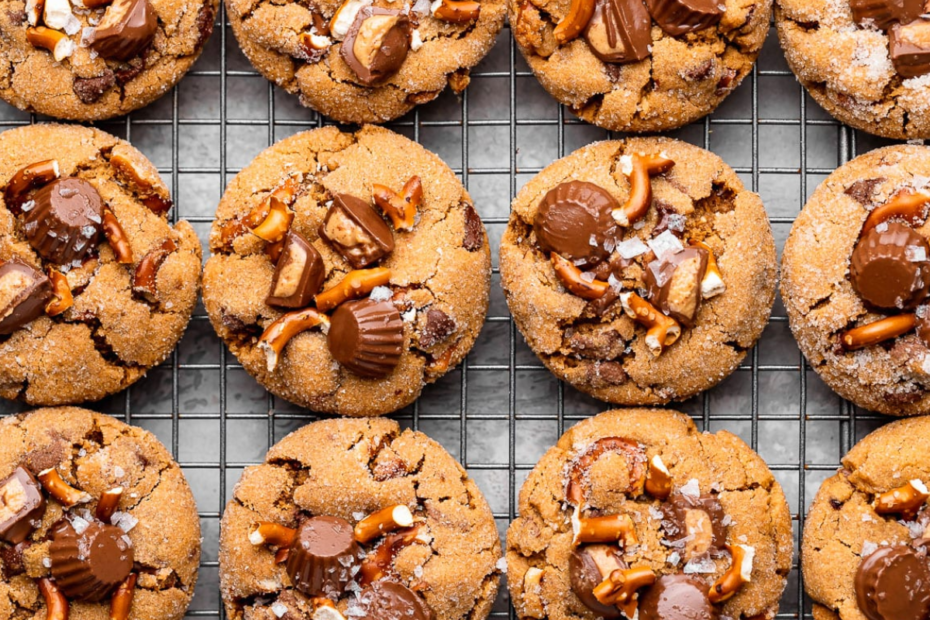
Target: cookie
323 300
358 61
864 62
855 279
95 517
643 65
629 260
96 284
634 513
360 520
98 59
864 549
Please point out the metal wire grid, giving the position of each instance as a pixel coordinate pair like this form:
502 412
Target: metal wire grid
187 401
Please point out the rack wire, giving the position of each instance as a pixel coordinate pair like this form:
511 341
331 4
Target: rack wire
500 410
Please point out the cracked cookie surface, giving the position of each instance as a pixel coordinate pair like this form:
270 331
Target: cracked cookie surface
86 86
847 69
683 79
716 465
111 335
95 453
891 377
606 354
441 53
842 525
348 469
443 264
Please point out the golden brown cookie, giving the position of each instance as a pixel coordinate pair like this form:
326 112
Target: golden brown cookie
96 284
627 261
635 511
98 59
855 276
95 516
323 300
360 516
864 549
641 66
358 61
866 63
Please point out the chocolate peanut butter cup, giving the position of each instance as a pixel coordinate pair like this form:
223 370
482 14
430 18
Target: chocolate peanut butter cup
893 583
574 220
384 600
127 28
619 31
298 274
367 337
890 267
90 564
377 43
678 17
322 557
587 567
677 597
66 221
21 506
356 231
24 292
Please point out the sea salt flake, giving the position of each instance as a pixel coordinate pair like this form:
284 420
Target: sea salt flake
119 472
691 489
501 565
882 227
410 315
673 558
699 566
915 253
666 244
655 513
79 524
279 609
631 248
587 276
124 521
358 516
47 562
868 548
381 293
726 520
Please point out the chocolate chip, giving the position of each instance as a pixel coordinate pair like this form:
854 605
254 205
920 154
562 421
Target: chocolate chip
66 221
605 374
474 230
127 28
574 220
12 558
90 90
129 71
204 24
701 72
669 219
439 326
619 31
16 17
727 82
906 396
21 503
836 504
24 292
356 231
614 72
862 191
90 565
367 337
322 557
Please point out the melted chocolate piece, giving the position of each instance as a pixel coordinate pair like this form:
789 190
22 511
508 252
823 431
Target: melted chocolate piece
882 270
474 231
619 31
367 337
12 558
65 223
386 600
376 44
677 597
23 295
322 556
90 565
126 29
21 504
694 526
587 567
893 583
863 190
674 283
439 326
678 17
90 89
356 231
923 325
883 13
909 45
574 220
669 219
298 275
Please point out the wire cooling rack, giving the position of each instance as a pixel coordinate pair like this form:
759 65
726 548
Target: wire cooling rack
501 409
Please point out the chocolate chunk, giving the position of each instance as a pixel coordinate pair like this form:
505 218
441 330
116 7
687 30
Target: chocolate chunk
883 13
387 600
322 557
439 326
893 583
863 190
298 275
21 505
677 597
23 295
674 283
65 223
89 565
605 374
695 525
12 558
923 324
129 71
126 29
376 44
669 219
356 231
367 337
678 17
206 19
890 267
90 90
474 230
619 31
909 45
587 567
574 220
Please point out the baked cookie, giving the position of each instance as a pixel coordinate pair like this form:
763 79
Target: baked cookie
865 539
358 519
640 65
96 284
855 280
627 261
866 62
94 59
359 61
95 517
636 512
401 302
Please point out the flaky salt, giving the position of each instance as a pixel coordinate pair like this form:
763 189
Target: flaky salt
666 244
631 248
691 489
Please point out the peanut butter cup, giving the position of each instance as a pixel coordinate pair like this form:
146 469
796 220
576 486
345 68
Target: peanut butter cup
574 220
376 44
356 231
65 222
298 274
678 17
893 583
23 295
322 557
385 600
677 597
89 564
367 337
21 506
619 31
890 267
587 566
674 283
127 28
